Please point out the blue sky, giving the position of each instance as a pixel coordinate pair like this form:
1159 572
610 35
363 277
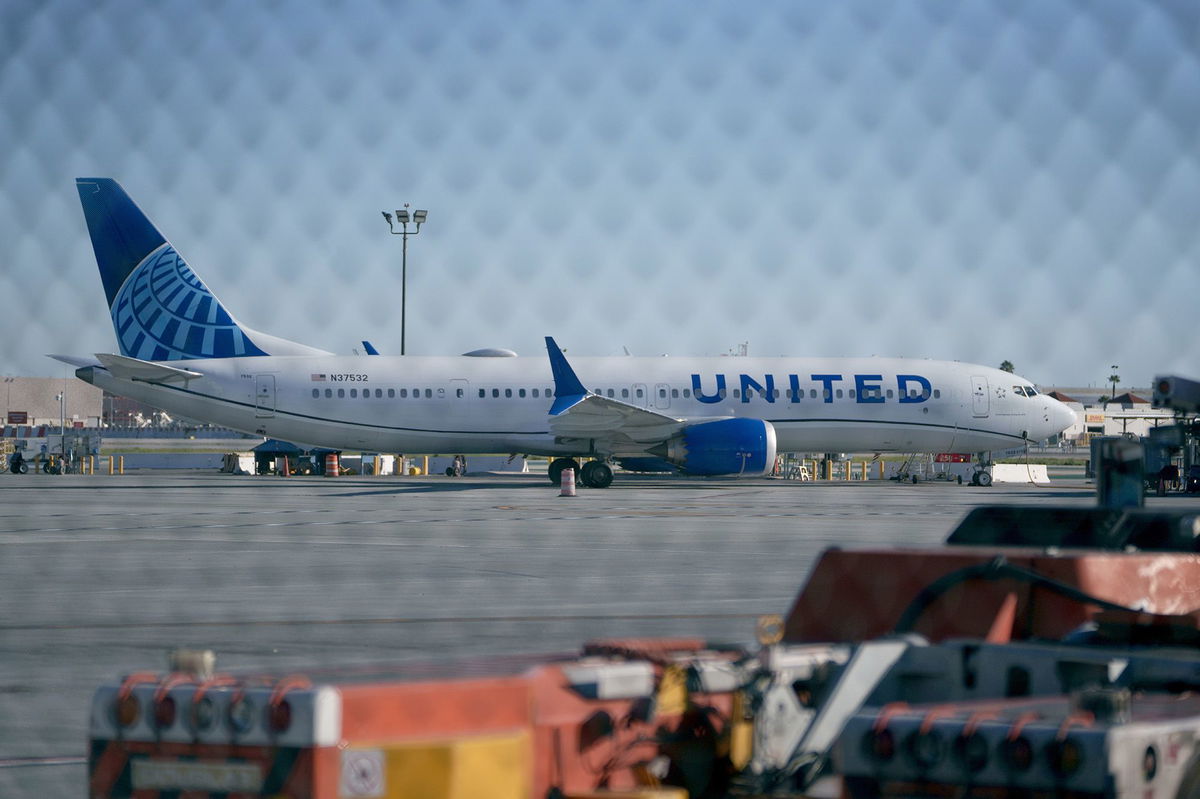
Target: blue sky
974 181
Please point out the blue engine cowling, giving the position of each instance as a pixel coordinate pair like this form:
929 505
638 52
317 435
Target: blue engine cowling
727 446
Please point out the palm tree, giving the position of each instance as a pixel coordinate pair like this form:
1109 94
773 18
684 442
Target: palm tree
1007 366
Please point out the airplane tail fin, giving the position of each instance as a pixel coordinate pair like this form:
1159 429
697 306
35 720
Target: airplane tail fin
161 309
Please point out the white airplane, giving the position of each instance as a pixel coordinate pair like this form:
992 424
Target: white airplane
181 350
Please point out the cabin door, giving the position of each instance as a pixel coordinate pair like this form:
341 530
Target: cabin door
979 395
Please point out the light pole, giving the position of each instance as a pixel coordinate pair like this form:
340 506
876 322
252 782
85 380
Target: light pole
62 423
418 218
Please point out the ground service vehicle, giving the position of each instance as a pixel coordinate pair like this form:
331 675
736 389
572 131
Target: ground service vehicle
1040 652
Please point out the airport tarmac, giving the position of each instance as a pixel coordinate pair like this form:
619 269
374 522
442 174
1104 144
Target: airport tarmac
103 575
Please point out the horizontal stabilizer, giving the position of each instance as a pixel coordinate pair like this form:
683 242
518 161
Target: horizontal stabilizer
75 360
147 372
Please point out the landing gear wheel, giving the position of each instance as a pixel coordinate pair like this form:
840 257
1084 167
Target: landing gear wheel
556 468
985 479
596 474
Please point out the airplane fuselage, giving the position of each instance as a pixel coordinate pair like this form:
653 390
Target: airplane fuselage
465 404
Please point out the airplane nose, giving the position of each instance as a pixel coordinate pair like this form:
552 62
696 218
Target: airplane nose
1061 417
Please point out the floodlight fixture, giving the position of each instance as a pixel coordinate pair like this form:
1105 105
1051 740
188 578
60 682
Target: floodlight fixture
403 218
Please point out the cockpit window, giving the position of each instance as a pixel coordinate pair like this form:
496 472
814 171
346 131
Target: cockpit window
1019 390
1025 391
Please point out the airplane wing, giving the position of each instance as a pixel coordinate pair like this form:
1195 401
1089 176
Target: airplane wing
614 426
145 371
596 417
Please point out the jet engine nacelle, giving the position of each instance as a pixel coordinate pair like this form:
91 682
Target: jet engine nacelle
727 446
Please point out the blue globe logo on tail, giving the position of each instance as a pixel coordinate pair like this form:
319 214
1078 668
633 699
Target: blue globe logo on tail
161 309
164 312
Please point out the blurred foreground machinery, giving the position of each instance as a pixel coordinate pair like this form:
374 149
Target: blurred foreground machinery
1039 652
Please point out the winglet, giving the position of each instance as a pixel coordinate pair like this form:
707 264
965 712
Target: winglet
568 391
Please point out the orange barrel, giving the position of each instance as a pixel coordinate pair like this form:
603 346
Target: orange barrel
331 464
568 483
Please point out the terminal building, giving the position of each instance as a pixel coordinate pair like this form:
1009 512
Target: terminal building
38 401
1128 413
34 402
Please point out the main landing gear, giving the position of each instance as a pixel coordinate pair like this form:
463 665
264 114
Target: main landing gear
593 474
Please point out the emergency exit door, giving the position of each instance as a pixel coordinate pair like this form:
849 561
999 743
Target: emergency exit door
264 396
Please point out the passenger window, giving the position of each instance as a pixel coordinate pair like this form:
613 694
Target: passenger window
535 393
889 396
379 393
353 392
612 393
937 393
495 392
391 393
839 393
341 393
482 393
459 393
674 393
737 393
687 393
662 393
520 392
404 393
508 392
441 393
812 393
639 393
851 393
316 393
328 393
428 394
624 393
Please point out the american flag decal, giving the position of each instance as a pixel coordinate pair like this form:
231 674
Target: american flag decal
316 378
